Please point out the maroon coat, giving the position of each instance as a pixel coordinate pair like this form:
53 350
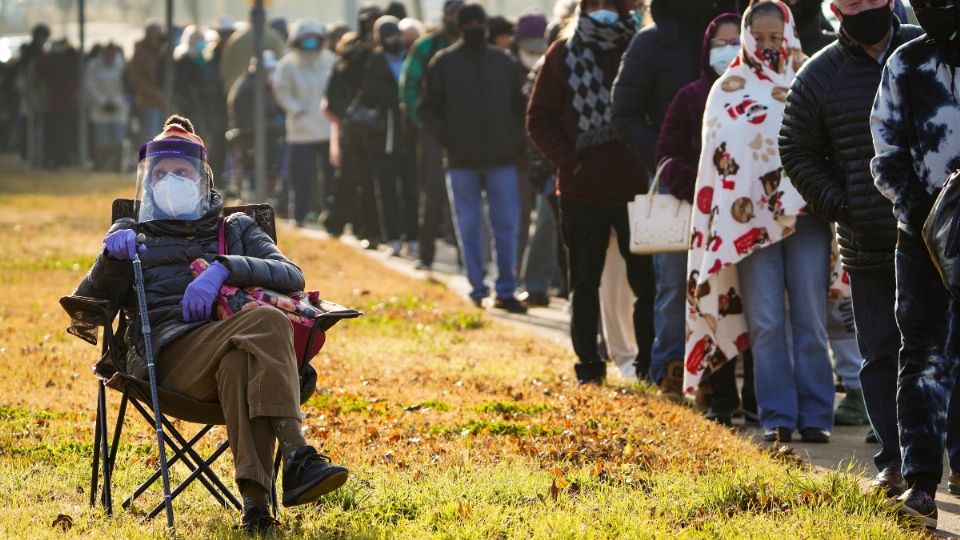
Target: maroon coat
681 129
607 174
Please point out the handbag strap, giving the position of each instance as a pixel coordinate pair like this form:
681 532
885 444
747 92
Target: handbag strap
655 187
221 237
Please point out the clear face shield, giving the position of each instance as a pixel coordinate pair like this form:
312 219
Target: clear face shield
173 181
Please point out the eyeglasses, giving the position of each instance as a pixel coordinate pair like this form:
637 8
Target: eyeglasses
717 42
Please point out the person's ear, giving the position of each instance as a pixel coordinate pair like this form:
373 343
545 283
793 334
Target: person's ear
836 11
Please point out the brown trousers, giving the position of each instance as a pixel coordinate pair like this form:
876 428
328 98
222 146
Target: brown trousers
247 364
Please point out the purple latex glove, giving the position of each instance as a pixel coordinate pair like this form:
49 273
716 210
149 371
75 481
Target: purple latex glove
197 303
122 245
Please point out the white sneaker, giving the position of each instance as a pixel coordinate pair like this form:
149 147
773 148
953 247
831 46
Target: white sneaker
628 371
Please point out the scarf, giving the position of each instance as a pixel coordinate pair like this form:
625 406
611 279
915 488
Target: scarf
743 203
591 96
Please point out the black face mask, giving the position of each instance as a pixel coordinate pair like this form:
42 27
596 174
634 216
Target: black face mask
474 37
942 25
868 27
393 45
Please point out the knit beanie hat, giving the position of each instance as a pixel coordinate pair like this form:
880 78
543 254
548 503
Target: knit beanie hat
471 13
531 24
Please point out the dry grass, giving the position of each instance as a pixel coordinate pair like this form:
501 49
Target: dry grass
454 426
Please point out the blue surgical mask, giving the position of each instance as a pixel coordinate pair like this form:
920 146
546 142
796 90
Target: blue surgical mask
638 16
604 17
310 43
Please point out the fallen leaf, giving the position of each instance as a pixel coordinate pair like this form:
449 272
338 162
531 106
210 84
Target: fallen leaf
63 521
554 490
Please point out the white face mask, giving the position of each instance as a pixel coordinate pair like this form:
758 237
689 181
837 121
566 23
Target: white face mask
720 57
529 59
176 196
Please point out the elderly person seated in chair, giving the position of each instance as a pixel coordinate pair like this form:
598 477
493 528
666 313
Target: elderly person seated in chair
246 362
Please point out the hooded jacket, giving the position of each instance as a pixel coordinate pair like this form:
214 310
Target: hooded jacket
680 135
253 259
826 147
660 60
606 174
299 84
472 103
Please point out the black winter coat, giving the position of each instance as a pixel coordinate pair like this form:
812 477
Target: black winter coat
253 259
473 103
660 60
826 147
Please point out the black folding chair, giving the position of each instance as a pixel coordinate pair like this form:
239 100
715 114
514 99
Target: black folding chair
89 315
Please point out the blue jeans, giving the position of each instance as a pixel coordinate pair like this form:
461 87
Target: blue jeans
927 400
794 384
874 308
669 312
467 188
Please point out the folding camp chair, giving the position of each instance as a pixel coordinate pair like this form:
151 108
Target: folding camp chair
89 314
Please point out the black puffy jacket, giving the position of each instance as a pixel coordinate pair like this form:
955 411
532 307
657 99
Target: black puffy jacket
660 60
826 148
253 259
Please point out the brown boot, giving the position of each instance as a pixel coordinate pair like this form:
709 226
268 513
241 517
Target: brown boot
671 387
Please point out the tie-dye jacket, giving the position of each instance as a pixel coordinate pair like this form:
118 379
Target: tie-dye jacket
916 129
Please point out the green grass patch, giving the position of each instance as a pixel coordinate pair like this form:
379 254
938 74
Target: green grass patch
513 408
429 405
499 428
345 403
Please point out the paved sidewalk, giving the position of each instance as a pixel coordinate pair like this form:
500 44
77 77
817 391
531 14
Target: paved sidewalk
552 323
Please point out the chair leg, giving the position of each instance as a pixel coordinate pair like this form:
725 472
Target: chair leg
105 452
203 465
117 430
193 476
178 453
95 467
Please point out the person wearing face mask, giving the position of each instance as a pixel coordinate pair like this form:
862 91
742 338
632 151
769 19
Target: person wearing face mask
914 124
679 149
569 119
352 199
193 91
753 244
662 58
389 146
239 48
298 84
472 103
827 118
434 203
108 106
232 361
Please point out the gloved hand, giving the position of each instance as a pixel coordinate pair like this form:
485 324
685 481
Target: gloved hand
197 302
122 245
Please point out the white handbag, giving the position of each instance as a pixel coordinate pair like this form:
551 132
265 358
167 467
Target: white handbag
659 222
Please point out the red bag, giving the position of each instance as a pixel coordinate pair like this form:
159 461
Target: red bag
303 309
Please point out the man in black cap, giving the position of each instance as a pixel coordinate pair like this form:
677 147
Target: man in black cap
434 204
473 104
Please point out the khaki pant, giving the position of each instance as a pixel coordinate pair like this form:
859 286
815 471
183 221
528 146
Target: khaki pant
248 365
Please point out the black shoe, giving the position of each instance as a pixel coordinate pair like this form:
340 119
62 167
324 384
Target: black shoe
920 504
258 521
722 418
510 305
890 481
872 438
953 484
478 302
595 381
814 435
778 434
309 475
535 299
751 416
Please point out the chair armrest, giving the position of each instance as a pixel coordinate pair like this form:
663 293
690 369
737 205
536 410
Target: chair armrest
86 314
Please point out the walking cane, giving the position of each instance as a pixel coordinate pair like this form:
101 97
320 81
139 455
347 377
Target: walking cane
152 373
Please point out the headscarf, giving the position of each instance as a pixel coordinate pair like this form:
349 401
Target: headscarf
591 97
743 202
